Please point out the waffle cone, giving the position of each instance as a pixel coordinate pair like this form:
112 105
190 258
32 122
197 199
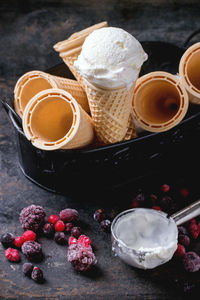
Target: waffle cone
35 81
52 112
70 48
110 110
189 72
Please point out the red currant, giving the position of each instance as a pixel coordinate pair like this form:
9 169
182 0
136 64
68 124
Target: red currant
29 235
53 219
59 226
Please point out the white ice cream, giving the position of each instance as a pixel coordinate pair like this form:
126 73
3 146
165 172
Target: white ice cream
110 58
146 238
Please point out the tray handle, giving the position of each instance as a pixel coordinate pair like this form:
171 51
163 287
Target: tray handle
185 45
14 117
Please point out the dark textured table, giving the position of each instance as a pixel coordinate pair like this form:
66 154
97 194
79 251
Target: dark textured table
28 30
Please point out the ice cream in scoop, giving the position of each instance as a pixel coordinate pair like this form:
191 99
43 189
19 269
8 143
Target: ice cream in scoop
110 58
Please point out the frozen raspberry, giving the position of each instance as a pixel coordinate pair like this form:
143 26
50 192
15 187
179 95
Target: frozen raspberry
76 231
53 219
72 240
99 215
180 251
184 240
184 192
105 225
37 275
59 226
18 242
194 230
165 188
69 215
68 226
191 262
32 217
29 235
27 269
80 257
48 230
60 238
182 230
12 255
32 251
7 240
84 240
156 207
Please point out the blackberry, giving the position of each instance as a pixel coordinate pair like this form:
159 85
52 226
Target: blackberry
105 225
37 275
81 258
48 230
7 240
60 238
76 231
32 217
32 251
27 269
191 262
69 215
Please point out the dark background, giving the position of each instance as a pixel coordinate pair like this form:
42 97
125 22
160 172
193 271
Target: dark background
28 31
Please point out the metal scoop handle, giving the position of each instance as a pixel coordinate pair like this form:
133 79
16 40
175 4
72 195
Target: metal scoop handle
187 213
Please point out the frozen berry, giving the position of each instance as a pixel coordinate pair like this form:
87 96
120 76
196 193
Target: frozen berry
80 257
184 240
60 238
48 230
18 242
105 225
191 262
99 215
84 240
134 203
68 226
27 269
72 240
32 217
12 255
194 229
182 230
165 188
76 231
156 207
184 192
32 251
7 240
180 251
53 219
37 275
29 235
59 226
69 215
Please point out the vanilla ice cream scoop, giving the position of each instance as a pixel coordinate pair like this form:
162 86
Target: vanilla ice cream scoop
110 58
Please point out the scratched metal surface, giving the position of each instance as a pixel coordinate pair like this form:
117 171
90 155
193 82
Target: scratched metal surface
28 30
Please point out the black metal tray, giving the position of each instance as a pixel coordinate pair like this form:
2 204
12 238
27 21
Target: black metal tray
116 165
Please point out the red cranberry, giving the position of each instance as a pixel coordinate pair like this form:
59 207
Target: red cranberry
180 251
68 227
165 188
59 226
12 255
76 231
53 219
69 215
29 235
18 242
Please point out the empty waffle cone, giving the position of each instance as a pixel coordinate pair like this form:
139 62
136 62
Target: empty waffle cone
34 82
70 49
54 120
110 110
189 72
160 101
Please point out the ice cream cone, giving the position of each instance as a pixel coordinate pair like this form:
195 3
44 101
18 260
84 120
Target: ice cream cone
70 49
54 120
110 110
35 81
160 101
189 72
131 130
